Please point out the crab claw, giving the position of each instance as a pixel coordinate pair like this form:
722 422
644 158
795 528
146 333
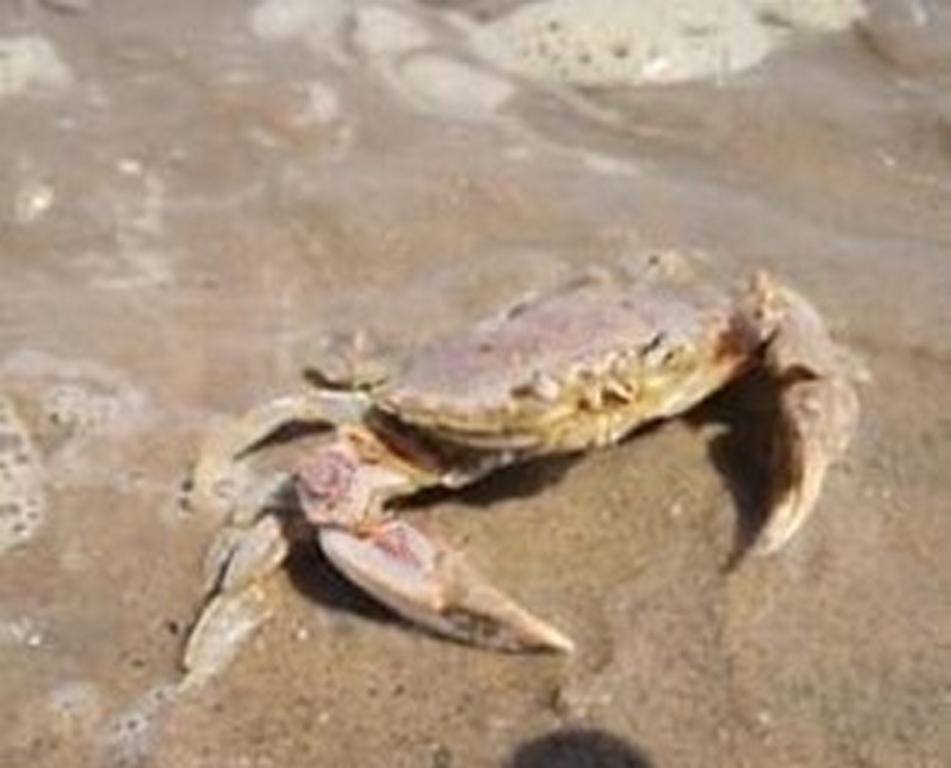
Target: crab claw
431 584
818 411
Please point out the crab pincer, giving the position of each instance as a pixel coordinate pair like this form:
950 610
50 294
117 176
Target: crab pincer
425 581
818 413
343 489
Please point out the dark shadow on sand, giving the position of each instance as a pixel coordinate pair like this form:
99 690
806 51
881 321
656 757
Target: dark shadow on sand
747 413
518 481
579 748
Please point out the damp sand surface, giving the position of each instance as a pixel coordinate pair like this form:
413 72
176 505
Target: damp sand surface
194 197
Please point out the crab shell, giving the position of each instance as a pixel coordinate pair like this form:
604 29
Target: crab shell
583 366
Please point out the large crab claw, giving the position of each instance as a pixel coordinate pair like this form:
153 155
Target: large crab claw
818 411
425 581
343 488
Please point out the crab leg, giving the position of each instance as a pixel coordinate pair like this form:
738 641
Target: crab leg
240 556
251 546
224 626
236 565
818 411
343 489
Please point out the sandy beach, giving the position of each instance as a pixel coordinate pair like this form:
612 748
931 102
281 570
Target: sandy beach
195 197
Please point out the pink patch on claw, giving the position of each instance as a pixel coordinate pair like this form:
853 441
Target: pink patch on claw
324 480
396 542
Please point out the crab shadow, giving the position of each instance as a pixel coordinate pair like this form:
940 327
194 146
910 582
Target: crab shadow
579 748
745 417
518 481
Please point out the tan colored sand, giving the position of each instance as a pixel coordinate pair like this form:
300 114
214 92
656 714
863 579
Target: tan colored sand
205 232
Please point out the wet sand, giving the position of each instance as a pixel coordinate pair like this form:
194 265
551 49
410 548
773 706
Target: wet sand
193 198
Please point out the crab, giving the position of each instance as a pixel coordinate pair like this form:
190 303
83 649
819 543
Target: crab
579 367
